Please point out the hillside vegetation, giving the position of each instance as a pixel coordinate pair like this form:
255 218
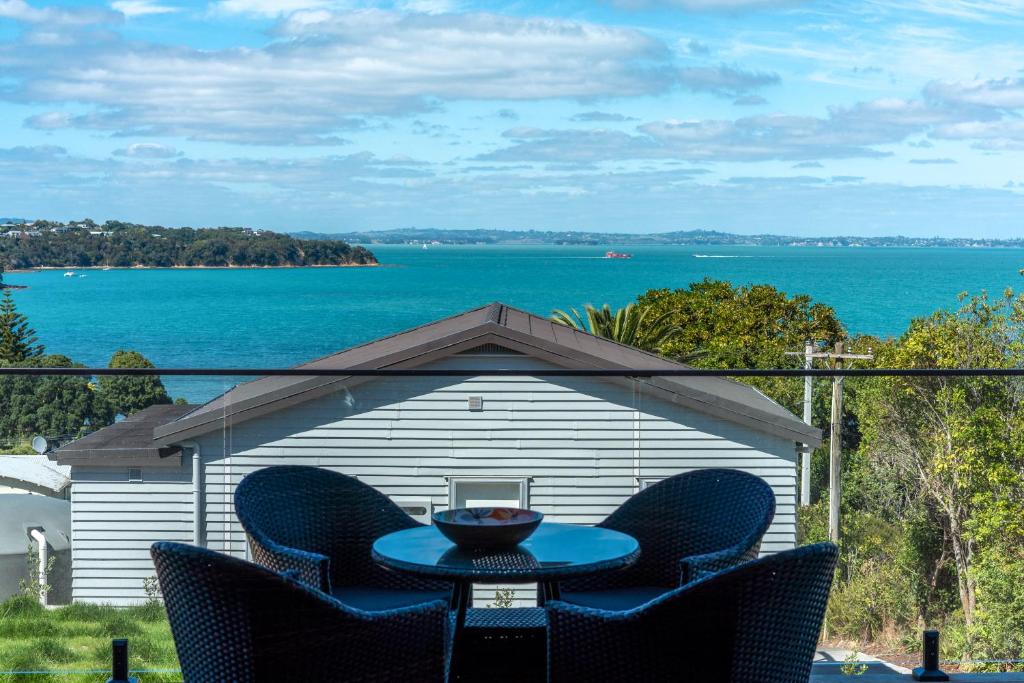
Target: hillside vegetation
124 245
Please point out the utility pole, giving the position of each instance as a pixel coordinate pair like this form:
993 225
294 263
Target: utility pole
805 451
835 459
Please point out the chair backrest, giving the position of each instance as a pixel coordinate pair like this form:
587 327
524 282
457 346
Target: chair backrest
755 623
684 515
235 621
325 512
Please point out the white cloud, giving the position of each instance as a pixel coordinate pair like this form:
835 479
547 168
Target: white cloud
360 191
725 81
714 5
847 132
147 150
19 10
1006 93
267 8
51 120
326 70
141 8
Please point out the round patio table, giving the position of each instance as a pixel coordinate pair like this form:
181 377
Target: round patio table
552 553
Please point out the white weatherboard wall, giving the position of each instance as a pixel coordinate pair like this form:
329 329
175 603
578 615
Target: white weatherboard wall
114 521
584 443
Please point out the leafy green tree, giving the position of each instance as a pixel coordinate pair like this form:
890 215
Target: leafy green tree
633 325
17 340
741 327
129 394
49 405
955 445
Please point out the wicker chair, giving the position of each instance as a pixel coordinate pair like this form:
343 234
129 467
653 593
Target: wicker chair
320 525
689 525
756 623
235 621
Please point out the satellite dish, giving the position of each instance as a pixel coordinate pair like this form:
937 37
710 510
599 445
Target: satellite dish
39 445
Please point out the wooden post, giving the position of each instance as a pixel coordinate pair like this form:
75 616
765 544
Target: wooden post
835 456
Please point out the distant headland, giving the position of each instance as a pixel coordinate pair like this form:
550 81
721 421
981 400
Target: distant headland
695 238
114 244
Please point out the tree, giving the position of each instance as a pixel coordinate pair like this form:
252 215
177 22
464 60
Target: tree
955 445
17 340
49 405
740 327
127 394
633 325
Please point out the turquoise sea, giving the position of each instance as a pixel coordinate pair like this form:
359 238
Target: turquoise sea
280 317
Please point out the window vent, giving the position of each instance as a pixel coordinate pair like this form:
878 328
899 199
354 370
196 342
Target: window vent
417 509
489 349
135 474
475 403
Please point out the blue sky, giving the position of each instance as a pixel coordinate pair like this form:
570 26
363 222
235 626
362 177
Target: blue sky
784 116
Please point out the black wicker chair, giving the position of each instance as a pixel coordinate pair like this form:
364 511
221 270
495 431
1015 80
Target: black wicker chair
320 525
235 621
755 623
688 526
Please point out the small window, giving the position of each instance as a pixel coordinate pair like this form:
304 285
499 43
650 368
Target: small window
417 509
134 474
467 492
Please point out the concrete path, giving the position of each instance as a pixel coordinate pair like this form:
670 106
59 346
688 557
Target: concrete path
828 663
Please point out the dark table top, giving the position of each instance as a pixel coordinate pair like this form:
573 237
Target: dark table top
555 551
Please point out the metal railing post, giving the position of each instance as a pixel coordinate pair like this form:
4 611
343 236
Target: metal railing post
930 671
119 662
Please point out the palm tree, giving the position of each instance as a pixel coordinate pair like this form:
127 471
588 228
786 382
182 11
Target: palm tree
628 325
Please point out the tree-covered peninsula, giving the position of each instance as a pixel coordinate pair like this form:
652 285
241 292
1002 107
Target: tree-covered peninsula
85 244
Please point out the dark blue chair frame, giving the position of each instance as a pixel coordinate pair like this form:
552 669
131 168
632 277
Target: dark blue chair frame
755 623
320 525
689 525
235 621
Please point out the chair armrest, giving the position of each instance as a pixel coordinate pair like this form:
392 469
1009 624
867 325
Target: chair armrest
697 567
311 569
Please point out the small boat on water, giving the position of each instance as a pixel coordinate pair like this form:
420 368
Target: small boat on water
69 273
616 254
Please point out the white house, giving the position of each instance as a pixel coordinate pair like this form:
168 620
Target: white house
573 448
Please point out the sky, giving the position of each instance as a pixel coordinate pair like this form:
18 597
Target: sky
796 117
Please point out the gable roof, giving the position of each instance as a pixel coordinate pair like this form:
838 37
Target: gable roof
506 327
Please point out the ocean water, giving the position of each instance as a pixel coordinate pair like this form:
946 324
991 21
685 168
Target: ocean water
280 317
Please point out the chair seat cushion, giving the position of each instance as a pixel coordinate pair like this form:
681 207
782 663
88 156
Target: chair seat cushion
615 599
507 618
378 599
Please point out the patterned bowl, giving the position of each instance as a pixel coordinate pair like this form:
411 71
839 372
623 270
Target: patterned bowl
487 527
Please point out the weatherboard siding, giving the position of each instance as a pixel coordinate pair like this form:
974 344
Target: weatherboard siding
113 523
584 444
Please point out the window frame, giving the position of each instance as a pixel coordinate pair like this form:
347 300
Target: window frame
455 480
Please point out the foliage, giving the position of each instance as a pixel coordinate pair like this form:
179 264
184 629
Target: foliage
129 394
77 637
503 597
17 340
151 586
49 405
852 666
632 325
957 444
124 245
741 327
32 586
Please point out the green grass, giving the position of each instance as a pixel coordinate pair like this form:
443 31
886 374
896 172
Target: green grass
77 638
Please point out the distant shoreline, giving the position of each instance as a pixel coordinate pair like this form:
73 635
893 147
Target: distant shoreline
37 269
